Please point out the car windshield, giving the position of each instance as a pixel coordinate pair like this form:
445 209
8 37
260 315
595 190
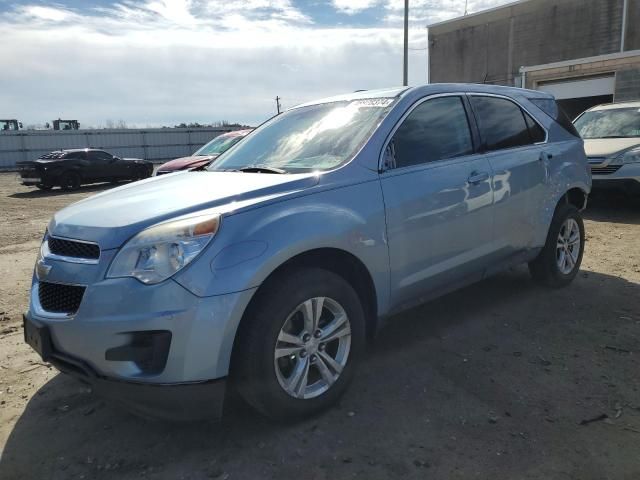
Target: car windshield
218 145
315 137
618 123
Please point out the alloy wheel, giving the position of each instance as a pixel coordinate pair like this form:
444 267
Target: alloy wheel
312 348
568 246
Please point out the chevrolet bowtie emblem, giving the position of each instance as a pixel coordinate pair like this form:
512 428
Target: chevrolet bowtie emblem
42 269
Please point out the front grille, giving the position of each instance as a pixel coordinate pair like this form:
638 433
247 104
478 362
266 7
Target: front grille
70 248
58 298
608 170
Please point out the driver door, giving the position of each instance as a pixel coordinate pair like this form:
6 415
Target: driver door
438 200
103 165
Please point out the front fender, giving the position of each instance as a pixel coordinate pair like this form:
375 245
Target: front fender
254 243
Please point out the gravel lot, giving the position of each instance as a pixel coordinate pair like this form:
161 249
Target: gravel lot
503 379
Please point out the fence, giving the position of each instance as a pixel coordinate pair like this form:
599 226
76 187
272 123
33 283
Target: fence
155 144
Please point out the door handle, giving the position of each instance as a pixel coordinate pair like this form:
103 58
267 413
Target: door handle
477 177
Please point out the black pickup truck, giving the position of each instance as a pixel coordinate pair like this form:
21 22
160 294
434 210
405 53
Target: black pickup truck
69 169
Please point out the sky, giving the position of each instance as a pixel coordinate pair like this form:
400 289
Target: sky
163 62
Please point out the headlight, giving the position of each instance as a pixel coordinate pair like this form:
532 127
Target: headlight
630 156
158 252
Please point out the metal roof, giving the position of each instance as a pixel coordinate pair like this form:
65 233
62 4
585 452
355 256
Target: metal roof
476 14
615 106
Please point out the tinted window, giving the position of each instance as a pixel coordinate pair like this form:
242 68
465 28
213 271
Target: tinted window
99 155
77 155
501 123
551 108
536 132
435 130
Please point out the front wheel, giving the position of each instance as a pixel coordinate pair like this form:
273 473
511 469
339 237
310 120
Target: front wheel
559 261
299 344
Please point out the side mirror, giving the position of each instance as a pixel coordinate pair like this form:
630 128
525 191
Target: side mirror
115 159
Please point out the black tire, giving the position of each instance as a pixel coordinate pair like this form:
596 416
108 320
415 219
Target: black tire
70 181
44 186
254 370
544 268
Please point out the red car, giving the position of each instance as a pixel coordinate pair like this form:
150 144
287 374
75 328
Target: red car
205 154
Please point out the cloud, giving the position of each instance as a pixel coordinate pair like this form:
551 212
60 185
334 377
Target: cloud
351 7
162 62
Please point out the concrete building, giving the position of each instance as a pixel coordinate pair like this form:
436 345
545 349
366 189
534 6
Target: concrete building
585 52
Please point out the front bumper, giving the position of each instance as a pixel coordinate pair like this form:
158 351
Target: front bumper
178 401
106 341
626 178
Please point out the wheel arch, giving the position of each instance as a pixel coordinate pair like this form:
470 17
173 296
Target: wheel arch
575 196
335 260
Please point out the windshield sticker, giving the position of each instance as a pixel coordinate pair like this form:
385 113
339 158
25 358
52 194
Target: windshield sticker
372 102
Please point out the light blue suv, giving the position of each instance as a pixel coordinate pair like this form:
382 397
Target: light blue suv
269 269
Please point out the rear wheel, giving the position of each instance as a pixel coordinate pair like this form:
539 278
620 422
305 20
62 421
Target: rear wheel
70 181
300 343
559 261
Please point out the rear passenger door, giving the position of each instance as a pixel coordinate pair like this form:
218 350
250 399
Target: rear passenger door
513 143
438 200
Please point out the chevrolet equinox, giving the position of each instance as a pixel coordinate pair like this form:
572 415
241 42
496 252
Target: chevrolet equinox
269 269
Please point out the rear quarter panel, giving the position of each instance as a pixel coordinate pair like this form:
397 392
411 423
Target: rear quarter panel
567 169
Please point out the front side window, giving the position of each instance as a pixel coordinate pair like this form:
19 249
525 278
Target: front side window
437 129
217 146
614 123
100 156
502 123
312 138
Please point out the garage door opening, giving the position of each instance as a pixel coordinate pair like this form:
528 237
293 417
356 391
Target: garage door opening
577 95
575 106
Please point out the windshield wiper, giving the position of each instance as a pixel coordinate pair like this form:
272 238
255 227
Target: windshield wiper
261 169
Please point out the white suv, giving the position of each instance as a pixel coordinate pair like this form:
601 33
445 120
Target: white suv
612 142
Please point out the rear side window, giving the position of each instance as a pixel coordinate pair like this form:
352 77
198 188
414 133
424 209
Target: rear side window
502 123
437 129
537 133
551 108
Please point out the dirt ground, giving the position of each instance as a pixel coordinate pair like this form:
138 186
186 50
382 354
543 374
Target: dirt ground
501 380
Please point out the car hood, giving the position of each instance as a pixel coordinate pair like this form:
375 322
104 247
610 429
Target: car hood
609 147
112 217
185 162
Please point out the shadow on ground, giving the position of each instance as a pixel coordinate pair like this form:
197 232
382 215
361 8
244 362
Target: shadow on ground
613 206
488 382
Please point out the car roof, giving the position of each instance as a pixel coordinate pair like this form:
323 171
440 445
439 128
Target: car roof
70 150
430 89
614 106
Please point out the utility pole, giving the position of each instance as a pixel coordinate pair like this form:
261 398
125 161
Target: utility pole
466 7
278 104
405 65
